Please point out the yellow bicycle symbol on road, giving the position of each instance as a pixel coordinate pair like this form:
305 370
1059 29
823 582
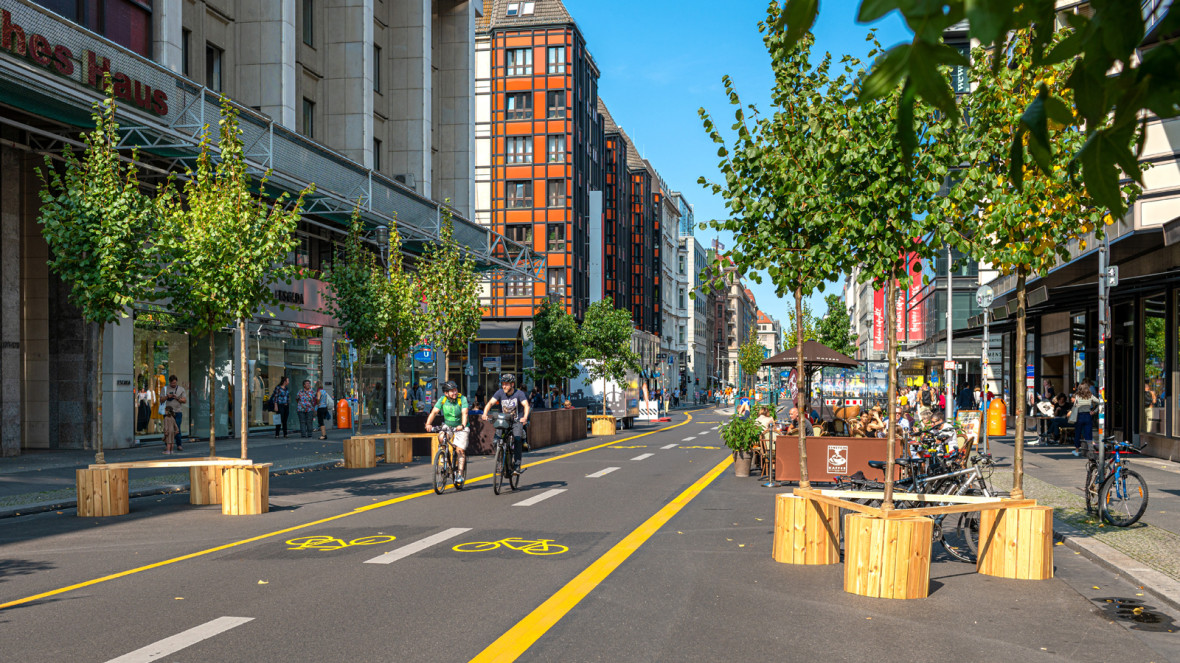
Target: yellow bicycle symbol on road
527 546
326 543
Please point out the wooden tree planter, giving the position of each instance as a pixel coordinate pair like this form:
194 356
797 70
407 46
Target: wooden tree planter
805 531
245 490
602 425
887 557
204 484
398 448
1017 543
360 451
102 492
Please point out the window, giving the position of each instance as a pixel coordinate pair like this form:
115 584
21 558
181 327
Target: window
683 303
308 118
557 59
681 334
185 51
556 193
520 8
213 67
376 68
309 22
556 149
520 149
517 286
521 233
520 61
519 193
518 106
556 278
376 155
556 237
556 103
681 261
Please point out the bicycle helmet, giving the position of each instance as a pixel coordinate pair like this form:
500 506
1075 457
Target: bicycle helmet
449 385
507 378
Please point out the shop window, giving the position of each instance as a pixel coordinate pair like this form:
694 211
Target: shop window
556 237
519 61
160 350
1154 397
520 149
518 106
557 59
519 193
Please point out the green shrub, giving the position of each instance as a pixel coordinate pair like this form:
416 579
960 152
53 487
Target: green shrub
741 434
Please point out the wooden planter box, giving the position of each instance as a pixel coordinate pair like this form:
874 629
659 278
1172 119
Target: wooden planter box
398 448
805 531
245 490
204 485
1017 543
887 557
360 451
102 492
602 425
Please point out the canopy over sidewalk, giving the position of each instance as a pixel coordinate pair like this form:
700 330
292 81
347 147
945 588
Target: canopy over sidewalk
814 354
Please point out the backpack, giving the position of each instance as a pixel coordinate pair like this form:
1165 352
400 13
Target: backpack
926 398
326 400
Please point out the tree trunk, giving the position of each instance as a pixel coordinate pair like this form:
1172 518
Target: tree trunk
360 396
99 456
890 387
397 393
800 401
1021 396
212 393
243 384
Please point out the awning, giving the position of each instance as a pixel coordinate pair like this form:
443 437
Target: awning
498 331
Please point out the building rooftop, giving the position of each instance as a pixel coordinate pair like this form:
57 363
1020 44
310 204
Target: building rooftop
512 14
608 120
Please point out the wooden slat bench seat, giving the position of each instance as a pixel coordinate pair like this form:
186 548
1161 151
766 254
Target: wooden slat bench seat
103 488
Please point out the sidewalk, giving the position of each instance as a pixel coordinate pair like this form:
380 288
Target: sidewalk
44 480
1148 552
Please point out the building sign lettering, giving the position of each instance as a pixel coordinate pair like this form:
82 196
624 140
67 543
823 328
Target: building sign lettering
289 297
60 60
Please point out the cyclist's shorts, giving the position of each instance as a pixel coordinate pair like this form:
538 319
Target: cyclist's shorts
459 439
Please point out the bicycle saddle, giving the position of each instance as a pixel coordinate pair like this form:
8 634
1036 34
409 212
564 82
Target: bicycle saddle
880 464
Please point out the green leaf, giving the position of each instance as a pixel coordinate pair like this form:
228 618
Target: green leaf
872 10
797 16
886 73
988 19
1100 174
1121 25
1035 121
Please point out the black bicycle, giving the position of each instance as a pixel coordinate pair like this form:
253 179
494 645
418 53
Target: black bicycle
505 461
1121 498
446 461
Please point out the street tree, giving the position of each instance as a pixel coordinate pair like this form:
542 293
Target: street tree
776 172
398 315
357 296
810 330
225 248
1113 79
1022 231
605 339
450 287
98 221
750 355
834 329
556 344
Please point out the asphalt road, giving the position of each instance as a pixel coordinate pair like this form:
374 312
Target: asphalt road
666 557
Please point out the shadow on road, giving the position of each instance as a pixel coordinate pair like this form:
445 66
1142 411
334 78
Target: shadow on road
21 567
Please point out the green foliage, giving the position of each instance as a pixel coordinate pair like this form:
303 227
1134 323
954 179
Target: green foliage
556 343
750 354
97 220
399 317
606 341
450 287
741 434
834 329
810 328
1113 82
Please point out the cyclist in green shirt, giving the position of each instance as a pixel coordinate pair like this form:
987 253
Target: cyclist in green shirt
454 414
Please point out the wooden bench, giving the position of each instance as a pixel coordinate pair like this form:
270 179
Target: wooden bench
360 451
103 489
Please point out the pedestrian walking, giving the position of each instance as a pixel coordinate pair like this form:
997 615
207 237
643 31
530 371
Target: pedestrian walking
324 405
1083 407
176 396
305 406
280 400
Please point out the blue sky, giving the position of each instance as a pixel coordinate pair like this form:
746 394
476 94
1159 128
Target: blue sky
661 60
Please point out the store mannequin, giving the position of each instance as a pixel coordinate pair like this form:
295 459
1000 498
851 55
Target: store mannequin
257 392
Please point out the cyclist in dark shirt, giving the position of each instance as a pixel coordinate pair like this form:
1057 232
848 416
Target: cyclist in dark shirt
514 403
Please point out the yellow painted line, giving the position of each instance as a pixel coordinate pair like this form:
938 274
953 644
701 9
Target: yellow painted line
227 546
527 631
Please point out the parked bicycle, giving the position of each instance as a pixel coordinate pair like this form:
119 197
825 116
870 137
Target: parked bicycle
1121 498
505 467
446 461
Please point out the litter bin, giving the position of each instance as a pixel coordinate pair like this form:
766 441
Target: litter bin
997 418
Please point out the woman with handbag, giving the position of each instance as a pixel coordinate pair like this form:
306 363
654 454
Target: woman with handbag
1082 418
280 399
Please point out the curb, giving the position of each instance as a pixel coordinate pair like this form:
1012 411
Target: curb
161 489
1151 581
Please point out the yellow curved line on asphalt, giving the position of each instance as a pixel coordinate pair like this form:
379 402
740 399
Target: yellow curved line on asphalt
370 507
527 631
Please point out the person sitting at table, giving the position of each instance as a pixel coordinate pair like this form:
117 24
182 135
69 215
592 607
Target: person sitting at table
858 427
875 427
793 424
1061 408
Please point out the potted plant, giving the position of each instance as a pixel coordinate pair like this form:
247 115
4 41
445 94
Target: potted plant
741 434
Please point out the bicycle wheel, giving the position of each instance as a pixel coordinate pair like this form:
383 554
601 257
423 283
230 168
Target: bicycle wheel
1123 498
498 472
1090 488
510 469
476 546
960 536
441 471
544 548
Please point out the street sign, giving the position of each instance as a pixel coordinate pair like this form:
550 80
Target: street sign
425 355
491 364
949 365
1112 276
671 360
984 296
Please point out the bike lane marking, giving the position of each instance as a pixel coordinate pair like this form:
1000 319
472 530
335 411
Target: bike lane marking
175 643
517 640
295 528
417 546
643 457
601 473
669 446
552 492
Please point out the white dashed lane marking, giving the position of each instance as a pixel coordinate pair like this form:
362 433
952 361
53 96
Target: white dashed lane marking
689 439
175 643
642 456
671 446
417 546
540 498
601 473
